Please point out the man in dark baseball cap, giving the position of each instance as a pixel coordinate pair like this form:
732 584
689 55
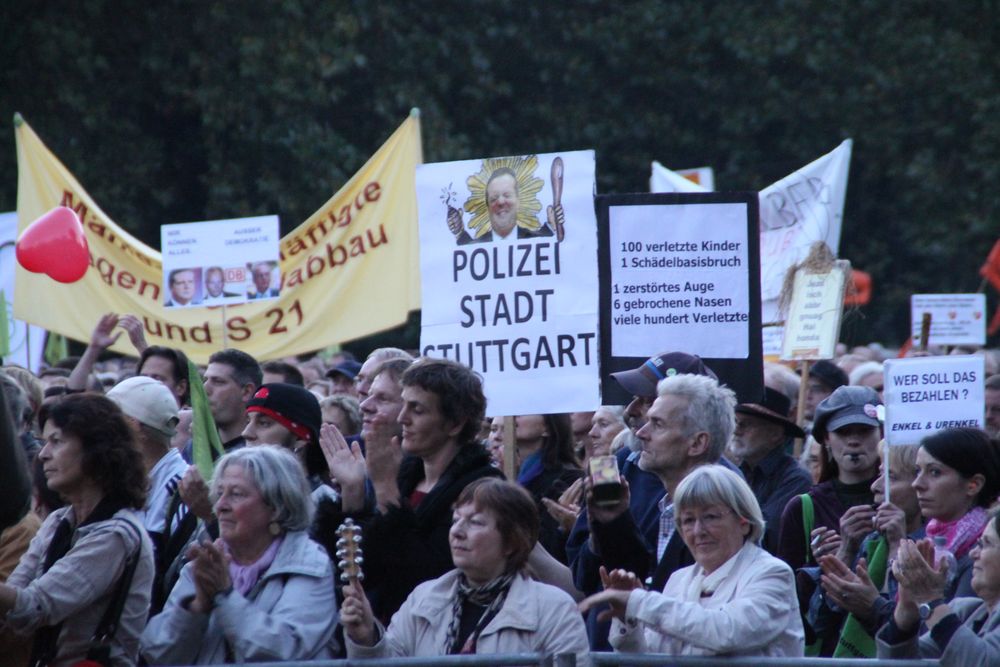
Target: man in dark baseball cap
288 416
641 382
342 376
763 432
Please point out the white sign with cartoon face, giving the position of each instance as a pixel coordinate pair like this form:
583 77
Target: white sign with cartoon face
508 257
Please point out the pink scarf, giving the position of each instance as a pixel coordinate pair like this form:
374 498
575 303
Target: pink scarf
960 535
245 576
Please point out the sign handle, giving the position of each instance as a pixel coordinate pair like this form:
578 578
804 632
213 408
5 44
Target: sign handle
225 337
925 331
509 467
800 409
885 470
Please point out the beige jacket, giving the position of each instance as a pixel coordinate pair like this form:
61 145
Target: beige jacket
535 618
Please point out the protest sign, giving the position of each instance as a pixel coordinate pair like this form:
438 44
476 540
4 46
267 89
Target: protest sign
355 258
813 323
222 260
956 319
926 394
507 258
804 207
680 272
26 342
771 339
662 179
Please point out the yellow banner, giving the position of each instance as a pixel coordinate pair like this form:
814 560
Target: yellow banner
350 270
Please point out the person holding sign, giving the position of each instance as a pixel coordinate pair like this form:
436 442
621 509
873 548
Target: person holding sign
964 631
836 514
862 588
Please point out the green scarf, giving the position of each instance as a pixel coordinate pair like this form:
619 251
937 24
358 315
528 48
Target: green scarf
855 642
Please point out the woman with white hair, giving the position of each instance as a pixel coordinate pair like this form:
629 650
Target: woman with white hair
735 600
263 591
868 374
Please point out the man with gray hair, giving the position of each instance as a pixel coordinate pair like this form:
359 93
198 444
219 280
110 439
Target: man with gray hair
688 425
366 375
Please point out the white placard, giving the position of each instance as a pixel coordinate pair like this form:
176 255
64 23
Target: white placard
502 293
220 262
679 271
813 322
956 319
771 337
27 342
926 394
804 207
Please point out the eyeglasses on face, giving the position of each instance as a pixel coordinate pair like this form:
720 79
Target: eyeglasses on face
709 519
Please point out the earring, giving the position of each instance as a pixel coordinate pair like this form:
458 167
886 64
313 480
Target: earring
274 528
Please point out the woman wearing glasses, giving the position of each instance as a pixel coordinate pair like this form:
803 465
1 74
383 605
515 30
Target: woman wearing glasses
735 600
965 631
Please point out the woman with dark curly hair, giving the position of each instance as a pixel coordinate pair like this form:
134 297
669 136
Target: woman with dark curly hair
91 555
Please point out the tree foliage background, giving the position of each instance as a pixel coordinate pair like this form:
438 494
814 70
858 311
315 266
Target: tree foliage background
179 110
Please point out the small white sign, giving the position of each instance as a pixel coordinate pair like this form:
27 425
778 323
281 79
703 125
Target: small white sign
679 274
926 394
813 322
956 319
220 262
771 338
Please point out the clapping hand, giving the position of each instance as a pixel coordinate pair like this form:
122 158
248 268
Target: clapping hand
618 585
346 464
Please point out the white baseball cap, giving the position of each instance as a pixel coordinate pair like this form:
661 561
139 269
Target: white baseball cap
148 401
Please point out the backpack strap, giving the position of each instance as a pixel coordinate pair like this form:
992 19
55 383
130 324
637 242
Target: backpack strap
104 633
808 523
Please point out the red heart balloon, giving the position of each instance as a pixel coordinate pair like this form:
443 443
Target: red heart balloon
55 245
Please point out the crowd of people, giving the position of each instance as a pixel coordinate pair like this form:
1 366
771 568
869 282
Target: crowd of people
361 509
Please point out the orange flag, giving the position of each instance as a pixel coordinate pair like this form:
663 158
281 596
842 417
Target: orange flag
990 270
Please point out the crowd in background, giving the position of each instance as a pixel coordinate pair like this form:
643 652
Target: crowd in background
712 535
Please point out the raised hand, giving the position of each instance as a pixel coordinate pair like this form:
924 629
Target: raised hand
136 334
101 337
194 493
346 464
